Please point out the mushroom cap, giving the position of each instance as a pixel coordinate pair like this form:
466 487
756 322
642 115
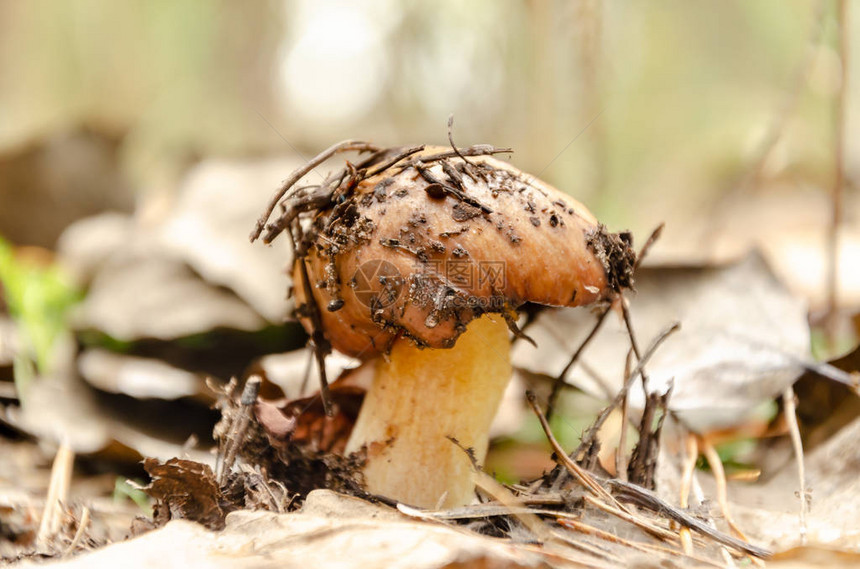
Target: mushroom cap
420 251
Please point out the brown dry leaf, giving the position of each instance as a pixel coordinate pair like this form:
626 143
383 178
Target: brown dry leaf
184 489
824 407
743 337
331 530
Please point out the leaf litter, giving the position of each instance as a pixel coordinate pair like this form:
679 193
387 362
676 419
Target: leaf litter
749 341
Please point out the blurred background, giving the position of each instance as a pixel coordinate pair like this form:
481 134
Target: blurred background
139 141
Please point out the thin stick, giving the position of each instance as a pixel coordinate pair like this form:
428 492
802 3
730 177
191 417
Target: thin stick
688 468
486 483
577 471
58 493
639 522
345 146
652 502
639 546
451 139
797 443
236 435
720 478
838 171
620 452
628 323
79 534
595 427
320 343
559 379
646 248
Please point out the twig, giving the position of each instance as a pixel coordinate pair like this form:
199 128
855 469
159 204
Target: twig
236 435
649 500
646 247
559 379
628 323
688 468
450 190
406 153
639 546
307 375
345 146
838 173
535 525
589 436
637 521
797 443
320 343
451 140
58 491
79 534
580 474
620 452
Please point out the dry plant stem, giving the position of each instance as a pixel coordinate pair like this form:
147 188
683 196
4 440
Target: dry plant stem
646 247
580 474
650 501
838 173
644 547
535 525
420 398
720 478
79 534
620 452
559 380
637 521
628 323
345 146
58 491
595 551
236 436
797 443
321 345
622 394
689 467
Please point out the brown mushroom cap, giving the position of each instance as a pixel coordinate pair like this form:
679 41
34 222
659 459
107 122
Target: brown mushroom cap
421 251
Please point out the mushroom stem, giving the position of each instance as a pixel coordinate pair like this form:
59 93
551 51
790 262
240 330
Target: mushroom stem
420 398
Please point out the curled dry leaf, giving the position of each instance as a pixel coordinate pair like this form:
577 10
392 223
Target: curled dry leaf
303 421
184 489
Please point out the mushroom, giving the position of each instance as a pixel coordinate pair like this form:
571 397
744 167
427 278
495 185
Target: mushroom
417 259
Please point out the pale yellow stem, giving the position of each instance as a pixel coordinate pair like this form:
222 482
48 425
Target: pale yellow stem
419 398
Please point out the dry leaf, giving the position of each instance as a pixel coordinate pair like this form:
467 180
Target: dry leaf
331 531
208 229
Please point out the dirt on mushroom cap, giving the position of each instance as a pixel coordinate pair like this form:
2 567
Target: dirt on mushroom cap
424 245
